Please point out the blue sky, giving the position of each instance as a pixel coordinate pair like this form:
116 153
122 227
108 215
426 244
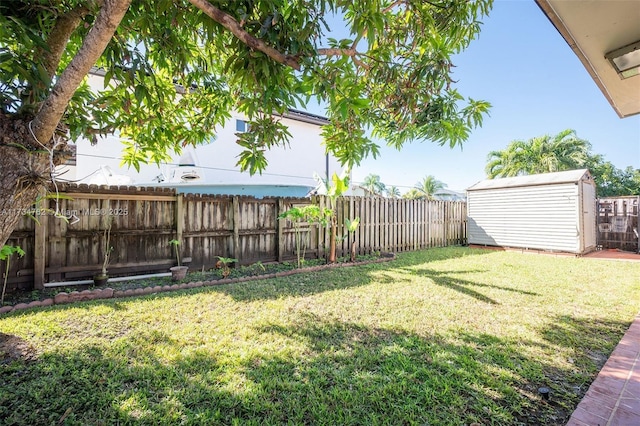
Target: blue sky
536 85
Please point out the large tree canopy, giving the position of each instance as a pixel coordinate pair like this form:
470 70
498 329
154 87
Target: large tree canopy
564 151
173 70
542 154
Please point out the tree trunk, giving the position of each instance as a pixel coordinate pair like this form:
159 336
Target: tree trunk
59 37
24 172
53 108
25 163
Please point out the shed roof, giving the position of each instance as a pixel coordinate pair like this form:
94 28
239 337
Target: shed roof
570 176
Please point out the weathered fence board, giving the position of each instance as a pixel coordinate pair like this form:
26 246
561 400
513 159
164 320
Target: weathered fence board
144 220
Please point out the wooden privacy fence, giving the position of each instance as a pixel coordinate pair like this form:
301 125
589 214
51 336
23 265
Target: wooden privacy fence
144 220
397 225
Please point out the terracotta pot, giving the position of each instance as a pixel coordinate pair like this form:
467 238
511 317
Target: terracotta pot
178 272
100 280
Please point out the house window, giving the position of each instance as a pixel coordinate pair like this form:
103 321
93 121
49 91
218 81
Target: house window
241 126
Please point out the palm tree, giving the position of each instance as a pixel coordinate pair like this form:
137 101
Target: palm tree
373 184
429 187
393 192
542 154
413 194
508 162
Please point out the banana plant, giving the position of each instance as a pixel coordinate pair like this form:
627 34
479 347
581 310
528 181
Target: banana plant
350 227
6 252
339 185
308 214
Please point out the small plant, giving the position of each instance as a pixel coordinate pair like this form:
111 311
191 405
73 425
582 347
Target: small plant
334 189
107 249
176 247
350 227
308 214
223 264
6 253
256 268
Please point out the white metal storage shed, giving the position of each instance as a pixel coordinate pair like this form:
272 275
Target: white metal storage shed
551 211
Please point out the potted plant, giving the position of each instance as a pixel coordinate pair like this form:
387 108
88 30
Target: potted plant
102 277
177 272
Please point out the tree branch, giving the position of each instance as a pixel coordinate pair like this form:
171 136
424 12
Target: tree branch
104 27
59 37
229 22
392 5
102 130
336 51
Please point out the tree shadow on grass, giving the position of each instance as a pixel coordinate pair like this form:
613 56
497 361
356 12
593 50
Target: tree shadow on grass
348 374
324 372
339 278
443 253
591 339
308 283
450 280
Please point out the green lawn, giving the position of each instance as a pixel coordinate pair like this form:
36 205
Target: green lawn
445 336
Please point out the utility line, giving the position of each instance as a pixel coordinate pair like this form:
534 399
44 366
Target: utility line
217 169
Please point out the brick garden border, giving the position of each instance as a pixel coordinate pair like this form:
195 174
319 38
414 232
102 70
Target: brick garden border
64 298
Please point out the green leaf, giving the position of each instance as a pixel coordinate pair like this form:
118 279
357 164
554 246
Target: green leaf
9 250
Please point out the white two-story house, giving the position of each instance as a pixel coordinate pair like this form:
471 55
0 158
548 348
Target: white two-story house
211 168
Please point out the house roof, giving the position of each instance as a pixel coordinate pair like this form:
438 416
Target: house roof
593 28
570 176
449 194
258 190
306 117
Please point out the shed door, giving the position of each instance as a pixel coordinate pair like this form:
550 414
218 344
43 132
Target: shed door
589 215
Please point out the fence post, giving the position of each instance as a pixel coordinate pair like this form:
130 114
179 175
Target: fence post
179 216
324 232
39 247
428 202
280 243
236 227
446 211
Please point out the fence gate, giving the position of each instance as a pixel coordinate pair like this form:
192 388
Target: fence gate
617 222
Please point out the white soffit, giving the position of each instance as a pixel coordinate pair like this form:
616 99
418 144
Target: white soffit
593 28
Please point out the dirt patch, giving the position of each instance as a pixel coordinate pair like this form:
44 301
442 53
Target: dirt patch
13 348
